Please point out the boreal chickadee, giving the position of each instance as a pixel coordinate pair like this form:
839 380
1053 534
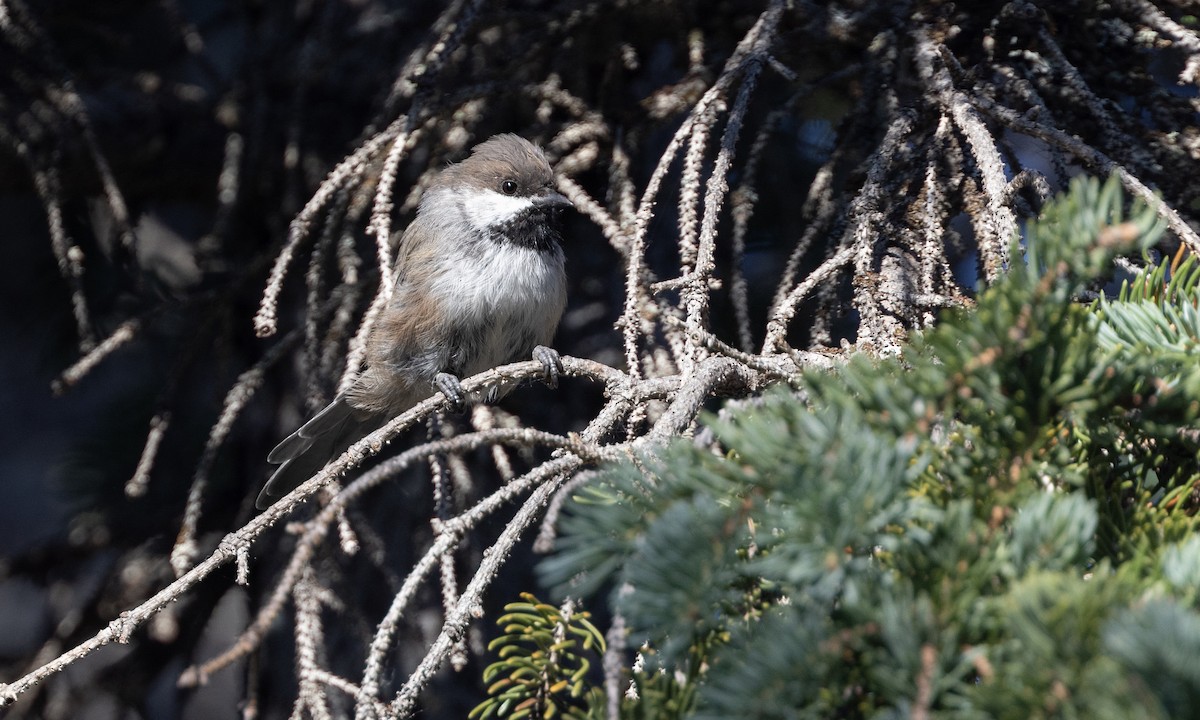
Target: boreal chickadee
479 282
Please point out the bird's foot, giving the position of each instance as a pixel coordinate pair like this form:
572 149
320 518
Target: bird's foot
552 365
450 386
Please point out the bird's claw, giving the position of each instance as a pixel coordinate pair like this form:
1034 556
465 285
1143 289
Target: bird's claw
552 365
450 386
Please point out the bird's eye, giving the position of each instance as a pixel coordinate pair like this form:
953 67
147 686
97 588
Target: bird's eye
509 187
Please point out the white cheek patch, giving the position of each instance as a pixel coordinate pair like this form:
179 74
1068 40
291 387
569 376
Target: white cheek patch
488 208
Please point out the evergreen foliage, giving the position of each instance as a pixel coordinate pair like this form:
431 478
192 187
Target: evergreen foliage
999 523
543 664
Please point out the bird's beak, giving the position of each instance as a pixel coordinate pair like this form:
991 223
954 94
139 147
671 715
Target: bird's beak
552 200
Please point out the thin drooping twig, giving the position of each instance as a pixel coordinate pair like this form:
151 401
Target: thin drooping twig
1187 39
614 665
633 322
120 629
449 534
696 292
236 399
456 622
119 337
1098 160
933 210
777 327
317 291
613 232
395 137
137 484
425 61
310 641
58 91
381 213
318 528
68 254
998 225
879 330
347 171
821 209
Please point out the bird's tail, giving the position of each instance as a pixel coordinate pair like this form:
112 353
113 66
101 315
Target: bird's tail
306 451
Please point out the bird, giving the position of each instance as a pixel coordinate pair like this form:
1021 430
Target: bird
479 280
